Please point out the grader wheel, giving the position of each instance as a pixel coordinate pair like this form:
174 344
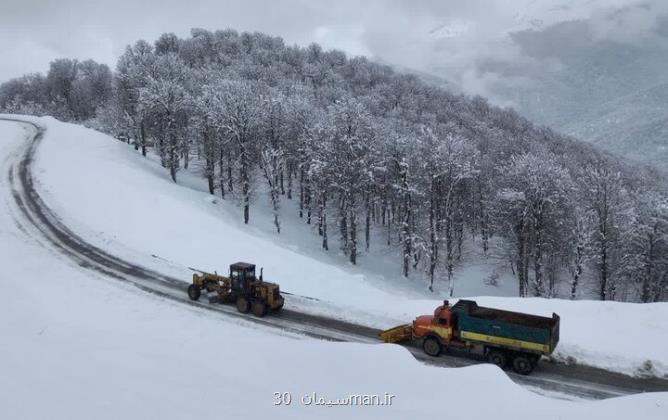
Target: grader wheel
259 309
243 305
194 292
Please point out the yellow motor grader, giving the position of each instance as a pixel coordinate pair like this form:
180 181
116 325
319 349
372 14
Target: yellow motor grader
242 287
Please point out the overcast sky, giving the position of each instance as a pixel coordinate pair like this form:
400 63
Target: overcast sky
448 37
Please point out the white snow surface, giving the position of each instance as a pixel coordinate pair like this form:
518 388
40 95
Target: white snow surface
79 346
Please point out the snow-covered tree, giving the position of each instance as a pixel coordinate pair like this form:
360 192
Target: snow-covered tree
380 151
532 205
236 110
166 100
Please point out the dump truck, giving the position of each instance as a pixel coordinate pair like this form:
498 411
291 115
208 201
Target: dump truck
250 293
504 338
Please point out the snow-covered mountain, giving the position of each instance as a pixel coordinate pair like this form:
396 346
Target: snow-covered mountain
611 93
597 73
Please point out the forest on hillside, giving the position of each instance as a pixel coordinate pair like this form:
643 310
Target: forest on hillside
363 148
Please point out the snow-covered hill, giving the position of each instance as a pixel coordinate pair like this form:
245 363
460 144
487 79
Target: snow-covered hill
91 347
127 204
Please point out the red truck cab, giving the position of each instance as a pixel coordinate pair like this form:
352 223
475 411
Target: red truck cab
435 329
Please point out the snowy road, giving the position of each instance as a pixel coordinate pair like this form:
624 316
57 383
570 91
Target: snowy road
37 219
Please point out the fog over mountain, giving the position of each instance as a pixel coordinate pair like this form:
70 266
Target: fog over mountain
608 92
602 79
591 68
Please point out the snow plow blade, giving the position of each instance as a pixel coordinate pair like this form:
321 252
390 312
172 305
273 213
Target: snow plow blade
397 334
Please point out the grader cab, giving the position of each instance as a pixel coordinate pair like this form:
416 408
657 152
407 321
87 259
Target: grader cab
242 274
242 287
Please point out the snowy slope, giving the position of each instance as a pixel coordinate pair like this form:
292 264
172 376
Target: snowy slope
124 203
84 347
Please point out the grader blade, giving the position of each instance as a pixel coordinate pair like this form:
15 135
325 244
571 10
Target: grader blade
397 334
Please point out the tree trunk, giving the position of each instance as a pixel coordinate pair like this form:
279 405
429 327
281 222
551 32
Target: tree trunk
173 155
449 252
646 290
604 270
290 172
389 227
433 239
343 224
383 207
209 176
484 231
142 131
324 222
460 236
579 253
539 289
209 162
367 224
406 223
406 234
245 183
230 184
186 155
222 174
307 200
353 234
161 151
521 264
301 192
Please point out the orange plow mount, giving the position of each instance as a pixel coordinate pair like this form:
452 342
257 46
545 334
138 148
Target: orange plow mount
398 334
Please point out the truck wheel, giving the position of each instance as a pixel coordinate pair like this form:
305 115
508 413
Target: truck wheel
278 308
194 292
243 305
259 309
431 346
498 358
522 365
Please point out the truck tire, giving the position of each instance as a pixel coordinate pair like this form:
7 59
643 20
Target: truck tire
194 292
259 309
497 357
432 346
243 305
522 364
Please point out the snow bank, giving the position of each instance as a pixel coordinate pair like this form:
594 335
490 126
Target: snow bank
118 200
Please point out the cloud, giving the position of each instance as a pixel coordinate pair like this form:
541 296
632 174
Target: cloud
448 38
343 37
632 24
